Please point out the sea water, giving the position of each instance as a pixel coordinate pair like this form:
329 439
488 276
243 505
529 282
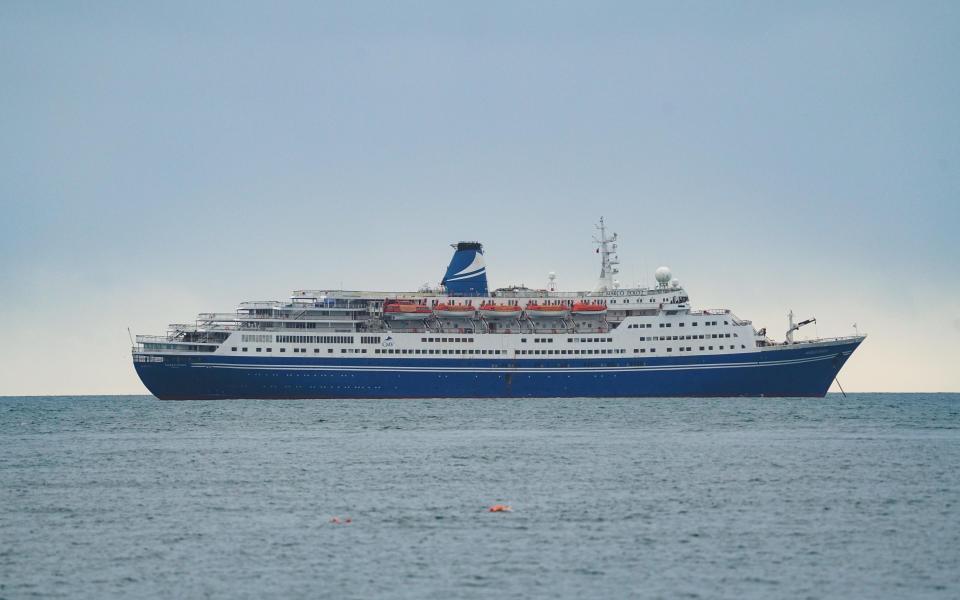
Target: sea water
855 497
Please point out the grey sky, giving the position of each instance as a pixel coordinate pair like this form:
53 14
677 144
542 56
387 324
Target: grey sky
159 161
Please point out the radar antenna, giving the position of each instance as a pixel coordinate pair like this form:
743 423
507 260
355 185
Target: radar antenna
607 248
796 326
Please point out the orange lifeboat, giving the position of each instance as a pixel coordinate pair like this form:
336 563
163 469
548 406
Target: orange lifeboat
454 311
588 308
406 310
546 311
499 311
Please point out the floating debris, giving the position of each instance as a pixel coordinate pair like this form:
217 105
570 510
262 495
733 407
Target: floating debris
500 508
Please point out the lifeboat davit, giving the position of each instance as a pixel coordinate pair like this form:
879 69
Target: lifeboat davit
500 311
588 308
547 311
454 311
406 311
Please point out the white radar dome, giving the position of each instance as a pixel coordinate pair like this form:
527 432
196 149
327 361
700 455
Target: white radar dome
663 275
675 283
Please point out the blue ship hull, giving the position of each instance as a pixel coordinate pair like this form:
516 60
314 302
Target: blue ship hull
798 370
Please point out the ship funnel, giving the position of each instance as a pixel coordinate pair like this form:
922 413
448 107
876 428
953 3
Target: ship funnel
467 273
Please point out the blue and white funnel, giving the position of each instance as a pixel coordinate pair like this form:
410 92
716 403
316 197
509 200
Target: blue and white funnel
467 273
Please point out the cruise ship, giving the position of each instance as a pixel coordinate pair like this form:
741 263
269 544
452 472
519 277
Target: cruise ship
462 340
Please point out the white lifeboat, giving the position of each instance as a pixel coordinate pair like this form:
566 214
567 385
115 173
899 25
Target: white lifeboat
406 311
583 309
500 311
454 311
547 311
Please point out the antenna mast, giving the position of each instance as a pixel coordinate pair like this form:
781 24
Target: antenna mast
607 247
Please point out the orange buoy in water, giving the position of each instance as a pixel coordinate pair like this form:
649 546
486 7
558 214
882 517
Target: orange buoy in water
500 508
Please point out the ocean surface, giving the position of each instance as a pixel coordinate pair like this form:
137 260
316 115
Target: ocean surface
855 497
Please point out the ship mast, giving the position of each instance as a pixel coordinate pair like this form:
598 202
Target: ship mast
607 247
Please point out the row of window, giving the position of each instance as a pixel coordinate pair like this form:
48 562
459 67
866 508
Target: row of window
639 325
683 349
369 339
434 351
304 350
711 336
694 324
482 352
571 340
588 351
446 339
315 339
257 337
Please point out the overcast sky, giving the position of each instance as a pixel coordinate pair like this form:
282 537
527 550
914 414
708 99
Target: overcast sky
164 159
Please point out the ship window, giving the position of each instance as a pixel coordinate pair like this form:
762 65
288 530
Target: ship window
329 351
742 346
701 347
669 349
315 350
234 349
725 323
661 324
636 350
653 349
711 347
423 339
259 349
681 324
269 349
376 350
